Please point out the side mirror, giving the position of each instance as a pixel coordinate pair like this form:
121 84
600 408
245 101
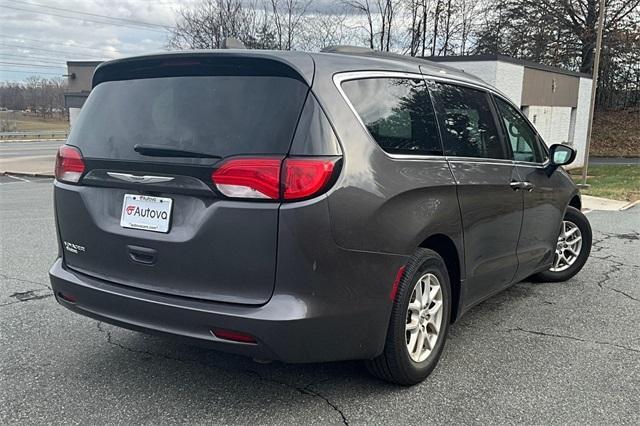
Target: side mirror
560 155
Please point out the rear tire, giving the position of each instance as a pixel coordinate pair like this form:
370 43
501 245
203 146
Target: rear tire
565 265
419 322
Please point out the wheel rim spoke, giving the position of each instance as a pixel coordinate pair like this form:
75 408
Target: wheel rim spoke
568 247
435 308
424 317
419 348
425 284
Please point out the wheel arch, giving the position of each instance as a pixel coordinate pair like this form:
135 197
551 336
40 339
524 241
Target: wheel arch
576 202
446 248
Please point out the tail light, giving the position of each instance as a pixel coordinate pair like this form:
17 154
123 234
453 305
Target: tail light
69 164
249 178
274 178
304 177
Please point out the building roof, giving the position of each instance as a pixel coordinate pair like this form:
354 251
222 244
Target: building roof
84 63
509 59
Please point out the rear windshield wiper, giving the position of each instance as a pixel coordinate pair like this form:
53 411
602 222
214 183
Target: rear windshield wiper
165 151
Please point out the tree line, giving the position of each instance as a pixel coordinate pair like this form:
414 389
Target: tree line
41 96
559 33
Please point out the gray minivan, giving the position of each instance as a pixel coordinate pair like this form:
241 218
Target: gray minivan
306 207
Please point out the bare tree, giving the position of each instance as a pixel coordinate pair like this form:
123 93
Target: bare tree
287 16
379 20
43 97
206 25
468 11
318 31
364 7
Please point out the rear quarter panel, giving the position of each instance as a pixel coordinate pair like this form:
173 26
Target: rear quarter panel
382 203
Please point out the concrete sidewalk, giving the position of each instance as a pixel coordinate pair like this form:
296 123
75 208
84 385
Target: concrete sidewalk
597 203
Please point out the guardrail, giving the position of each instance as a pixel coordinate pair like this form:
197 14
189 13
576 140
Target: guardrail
36 134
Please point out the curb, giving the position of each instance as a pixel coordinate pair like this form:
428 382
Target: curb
631 204
27 174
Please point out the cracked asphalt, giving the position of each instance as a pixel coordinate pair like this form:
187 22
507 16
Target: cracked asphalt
536 353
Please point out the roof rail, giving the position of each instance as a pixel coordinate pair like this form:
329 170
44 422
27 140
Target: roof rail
365 51
347 49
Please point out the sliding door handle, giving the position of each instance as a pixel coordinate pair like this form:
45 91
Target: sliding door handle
528 186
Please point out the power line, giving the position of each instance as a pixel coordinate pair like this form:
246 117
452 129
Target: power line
30 71
35 58
78 46
47 50
140 27
131 21
18 64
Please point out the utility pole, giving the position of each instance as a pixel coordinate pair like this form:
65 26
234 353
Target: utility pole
594 85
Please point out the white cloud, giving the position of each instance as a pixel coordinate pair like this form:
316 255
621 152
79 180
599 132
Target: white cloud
45 37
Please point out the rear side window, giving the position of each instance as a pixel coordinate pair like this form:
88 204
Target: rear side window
216 115
523 139
397 112
467 123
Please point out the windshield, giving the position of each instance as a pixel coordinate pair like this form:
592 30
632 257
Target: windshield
216 115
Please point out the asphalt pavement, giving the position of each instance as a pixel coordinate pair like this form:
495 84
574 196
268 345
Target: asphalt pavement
10 149
26 158
536 353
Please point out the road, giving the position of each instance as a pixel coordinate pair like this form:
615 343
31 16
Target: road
28 157
536 353
28 149
614 161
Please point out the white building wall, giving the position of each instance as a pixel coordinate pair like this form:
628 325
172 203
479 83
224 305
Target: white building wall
509 78
484 70
504 76
582 121
553 123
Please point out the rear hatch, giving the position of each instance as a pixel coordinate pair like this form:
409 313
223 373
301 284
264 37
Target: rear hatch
145 212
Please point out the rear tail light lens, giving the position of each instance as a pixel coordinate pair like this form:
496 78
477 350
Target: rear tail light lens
69 164
249 178
274 178
304 177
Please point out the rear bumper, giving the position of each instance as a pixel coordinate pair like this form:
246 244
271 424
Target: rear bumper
289 328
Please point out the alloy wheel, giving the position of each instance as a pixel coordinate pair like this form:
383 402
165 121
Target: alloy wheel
568 247
424 317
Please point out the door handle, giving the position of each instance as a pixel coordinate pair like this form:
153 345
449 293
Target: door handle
515 185
528 186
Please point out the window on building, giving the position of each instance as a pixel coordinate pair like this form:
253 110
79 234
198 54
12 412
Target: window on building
398 114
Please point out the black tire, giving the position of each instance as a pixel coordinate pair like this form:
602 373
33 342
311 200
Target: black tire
580 220
395 364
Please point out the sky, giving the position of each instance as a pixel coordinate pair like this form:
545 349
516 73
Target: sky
37 37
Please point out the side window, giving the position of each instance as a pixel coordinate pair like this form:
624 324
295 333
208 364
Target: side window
523 139
467 123
397 112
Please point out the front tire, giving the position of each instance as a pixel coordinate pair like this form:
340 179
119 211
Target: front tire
419 322
572 249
